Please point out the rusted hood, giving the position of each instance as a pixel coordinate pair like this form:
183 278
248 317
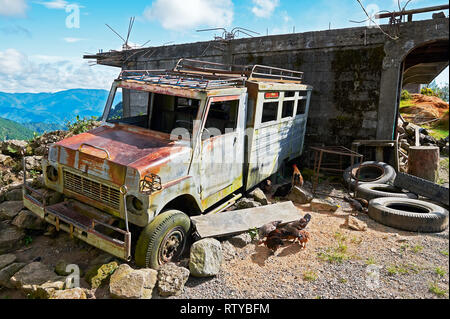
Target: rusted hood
109 150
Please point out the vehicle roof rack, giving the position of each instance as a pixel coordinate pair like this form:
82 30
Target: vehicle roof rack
250 71
209 75
182 79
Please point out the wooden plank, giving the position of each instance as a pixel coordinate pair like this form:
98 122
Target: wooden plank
239 221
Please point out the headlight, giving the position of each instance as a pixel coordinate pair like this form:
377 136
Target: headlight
52 174
135 205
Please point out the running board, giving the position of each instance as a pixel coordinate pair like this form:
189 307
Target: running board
240 221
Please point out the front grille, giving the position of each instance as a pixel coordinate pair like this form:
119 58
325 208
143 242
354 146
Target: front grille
85 186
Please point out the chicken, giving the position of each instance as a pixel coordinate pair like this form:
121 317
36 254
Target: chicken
266 229
283 190
302 223
266 186
273 242
305 236
355 204
297 178
363 202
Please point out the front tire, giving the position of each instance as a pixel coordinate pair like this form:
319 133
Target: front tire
163 240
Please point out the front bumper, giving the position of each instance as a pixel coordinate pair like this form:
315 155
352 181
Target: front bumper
81 221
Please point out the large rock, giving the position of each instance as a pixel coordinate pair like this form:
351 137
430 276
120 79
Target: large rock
10 238
300 195
355 224
7 161
14 195
97 275
259 196
14 147
318 205
75 293
9 210
27 220
171 279
6 260
205 258
240 240
7 272
228 251
128 283
38 280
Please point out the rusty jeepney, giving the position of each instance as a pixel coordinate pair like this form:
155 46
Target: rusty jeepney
184 142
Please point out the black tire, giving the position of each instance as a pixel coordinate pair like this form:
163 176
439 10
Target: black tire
371 191
409 214
369 172
153 247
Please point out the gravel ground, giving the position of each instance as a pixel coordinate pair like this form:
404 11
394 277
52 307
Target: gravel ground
403 264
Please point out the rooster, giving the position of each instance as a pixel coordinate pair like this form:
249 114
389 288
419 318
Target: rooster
305 236
302 223
297 178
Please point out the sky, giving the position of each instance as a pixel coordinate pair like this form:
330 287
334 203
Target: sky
43 42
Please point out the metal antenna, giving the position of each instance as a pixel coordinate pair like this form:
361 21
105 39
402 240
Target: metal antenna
116 33
130 28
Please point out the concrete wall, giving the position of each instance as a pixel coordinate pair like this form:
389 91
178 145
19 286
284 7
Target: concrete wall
355 72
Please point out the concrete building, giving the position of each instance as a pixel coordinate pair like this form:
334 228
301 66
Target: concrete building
357 73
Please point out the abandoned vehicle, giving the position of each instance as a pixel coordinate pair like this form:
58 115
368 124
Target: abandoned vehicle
180 143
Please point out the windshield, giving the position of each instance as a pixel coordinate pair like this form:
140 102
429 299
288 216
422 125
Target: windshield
157 112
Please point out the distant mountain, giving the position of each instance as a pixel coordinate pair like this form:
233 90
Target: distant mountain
51 108
10 130
41 128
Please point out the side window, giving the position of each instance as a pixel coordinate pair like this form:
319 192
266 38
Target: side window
270 112
116 112
288 109
222 117
301 106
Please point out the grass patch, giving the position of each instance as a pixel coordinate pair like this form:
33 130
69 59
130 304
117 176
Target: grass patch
332 255
401 269
343 281
406 103
444 252
310 275
370 261
438 133
417 249
355 240
434 288
441 272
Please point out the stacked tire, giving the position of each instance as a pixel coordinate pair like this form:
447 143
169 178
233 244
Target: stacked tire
390 205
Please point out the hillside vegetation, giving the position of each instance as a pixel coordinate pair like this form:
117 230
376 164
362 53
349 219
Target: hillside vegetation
10 130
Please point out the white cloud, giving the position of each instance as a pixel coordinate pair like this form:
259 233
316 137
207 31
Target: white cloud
13 8
12 61
264 8
72 40
56 4
188 14
40 73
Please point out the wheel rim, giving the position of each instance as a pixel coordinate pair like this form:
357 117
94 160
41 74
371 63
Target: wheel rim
172 245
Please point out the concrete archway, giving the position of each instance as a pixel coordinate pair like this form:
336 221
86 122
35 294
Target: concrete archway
414 57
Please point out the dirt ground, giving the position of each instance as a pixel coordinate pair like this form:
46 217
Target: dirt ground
381 262
337 263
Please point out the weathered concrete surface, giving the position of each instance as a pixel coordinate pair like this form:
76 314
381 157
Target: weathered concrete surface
356 72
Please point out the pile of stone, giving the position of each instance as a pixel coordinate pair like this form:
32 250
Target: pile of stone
407 133
407 138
